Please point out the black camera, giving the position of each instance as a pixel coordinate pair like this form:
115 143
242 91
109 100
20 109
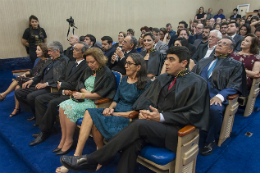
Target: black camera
71 22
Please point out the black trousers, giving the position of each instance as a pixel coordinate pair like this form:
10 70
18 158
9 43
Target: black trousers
46 115
26 97
130 141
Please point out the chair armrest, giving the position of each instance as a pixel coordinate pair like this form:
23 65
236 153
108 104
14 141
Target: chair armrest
232 97
100 101
133 115
18 71
256 76
186 130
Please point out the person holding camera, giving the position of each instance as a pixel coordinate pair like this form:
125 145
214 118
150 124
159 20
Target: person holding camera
32 36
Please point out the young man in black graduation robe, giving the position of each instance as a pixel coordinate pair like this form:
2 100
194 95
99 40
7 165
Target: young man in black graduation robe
173 105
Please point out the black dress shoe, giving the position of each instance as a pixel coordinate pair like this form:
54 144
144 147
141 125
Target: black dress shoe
73 146
78 163
35 125
31 118
40 138
208 149
56 150
36 134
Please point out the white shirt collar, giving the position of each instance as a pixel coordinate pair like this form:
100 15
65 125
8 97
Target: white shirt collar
79 61
212 47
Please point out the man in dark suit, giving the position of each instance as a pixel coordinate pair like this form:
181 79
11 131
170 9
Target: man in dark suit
224 76
119 57
205 36
47 78
197 34
232 30
206 50
69 51
159 45
161 115
107 48
46 115
235 15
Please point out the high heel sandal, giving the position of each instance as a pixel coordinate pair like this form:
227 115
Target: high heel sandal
17 112
2 98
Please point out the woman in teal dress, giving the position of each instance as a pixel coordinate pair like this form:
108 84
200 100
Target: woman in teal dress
109 121
96 82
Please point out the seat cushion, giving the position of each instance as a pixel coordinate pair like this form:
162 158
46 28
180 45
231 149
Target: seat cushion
79 122
160 156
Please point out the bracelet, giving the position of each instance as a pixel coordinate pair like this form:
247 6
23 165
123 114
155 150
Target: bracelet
82 96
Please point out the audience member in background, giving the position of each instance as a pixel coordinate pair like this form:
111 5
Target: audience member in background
220 11
170 30
232 32
206 50
254 19
244 30
235 15
218 21
181 41
121 36
107 48
164 36
46 104
249 56
107 122
32 36
254 25
224 78
74 39
212 23
157 127
193 26
90 40
41 52
228 20
257 33
201 16
217 26
242 22
119 58
145 29
209 15
223 28
130 32
82 38
197 34
223 20
207 22
140 45
96 82
51 72
232 20
205 36
248 19
153 58
182 25
159 45
185 34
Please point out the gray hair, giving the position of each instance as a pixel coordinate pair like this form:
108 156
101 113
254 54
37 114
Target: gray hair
219 35
85 46
55 45
233 44
133 41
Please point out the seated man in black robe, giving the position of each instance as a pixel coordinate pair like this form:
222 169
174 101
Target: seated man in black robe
175 99
224 76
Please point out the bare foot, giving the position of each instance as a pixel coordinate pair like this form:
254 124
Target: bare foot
62 169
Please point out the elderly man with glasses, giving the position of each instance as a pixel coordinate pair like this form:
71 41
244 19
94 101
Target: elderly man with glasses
224 77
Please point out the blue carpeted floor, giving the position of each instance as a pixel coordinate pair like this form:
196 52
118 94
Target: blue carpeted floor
237 154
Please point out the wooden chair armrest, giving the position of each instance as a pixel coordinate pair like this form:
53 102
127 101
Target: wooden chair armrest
232 97
18 71
100 101
186 130
256 76
133 115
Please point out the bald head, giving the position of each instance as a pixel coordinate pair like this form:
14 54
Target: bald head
73 40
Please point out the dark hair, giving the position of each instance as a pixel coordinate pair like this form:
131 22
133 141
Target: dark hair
150 34
182 53
168 24
124 34
235 9
133 41
44 49
207 27
187 31
224 23
82 38
85 46
141 75
248 28
131 31
236 24
157 30
233 43
184 23
218 25
184 42
257 29
254 17
92 38
150 28
164 32
108 38
254 48
145 28
195 21
39 28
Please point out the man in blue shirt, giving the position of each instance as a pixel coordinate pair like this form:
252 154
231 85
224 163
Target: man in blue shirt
170 30
219 14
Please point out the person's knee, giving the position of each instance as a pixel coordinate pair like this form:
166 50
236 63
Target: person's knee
18 92
53 103
216 109
30 97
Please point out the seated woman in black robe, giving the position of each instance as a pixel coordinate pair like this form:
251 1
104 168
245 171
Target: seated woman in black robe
154 59
42 52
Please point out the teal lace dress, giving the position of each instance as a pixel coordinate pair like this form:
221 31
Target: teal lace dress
76 110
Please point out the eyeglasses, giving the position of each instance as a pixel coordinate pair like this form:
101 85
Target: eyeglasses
129 63
222 43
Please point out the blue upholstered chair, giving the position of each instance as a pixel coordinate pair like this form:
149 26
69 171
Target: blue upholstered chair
17 73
